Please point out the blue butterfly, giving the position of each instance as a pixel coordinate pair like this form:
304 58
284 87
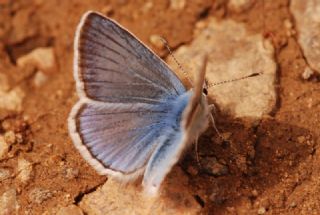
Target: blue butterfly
134 116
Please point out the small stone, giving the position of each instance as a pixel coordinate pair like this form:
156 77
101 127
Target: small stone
177 4
4 174
308 72
254 193
226 135
41 58
192 170
9 203
301 139
70 210
25 170
287 24
214 167
239 5
3 147
40 79
39 195
262 210
293 205
12 100
157 41
71 173
10 137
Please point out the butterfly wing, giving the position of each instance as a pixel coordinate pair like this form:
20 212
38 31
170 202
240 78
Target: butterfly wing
111 65
126 94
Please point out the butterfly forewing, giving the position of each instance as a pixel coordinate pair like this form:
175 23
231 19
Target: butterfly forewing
111 65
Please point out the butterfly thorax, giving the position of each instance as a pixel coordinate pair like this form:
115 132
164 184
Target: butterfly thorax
195 116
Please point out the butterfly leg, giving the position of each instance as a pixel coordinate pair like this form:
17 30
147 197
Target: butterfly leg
196 149
213 108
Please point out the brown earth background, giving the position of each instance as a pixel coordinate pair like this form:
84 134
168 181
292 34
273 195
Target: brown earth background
271 166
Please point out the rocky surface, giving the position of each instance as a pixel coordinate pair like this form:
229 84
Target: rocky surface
267 166
307 17
116 198
233 53
8 202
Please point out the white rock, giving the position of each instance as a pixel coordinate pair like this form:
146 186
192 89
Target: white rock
9 203
307 17
3 147
42 58
115 198
25 169
233 53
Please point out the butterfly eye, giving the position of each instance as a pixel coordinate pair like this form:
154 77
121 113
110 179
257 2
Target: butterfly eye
205 91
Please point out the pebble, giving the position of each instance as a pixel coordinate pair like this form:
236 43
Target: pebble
71 173
10 137
214 167
177 4
41 58
156 41
192 170
307 73
293 205
254 193
4 174
39 195
262 210
239 5
3 147
12 100
8 202
40 79
301 139
25 170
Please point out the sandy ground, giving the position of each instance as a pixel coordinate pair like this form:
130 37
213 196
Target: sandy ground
273 165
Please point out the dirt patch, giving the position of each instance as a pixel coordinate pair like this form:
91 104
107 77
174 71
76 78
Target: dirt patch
273 165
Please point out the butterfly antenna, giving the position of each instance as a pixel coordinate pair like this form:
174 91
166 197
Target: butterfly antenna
175 59
236 79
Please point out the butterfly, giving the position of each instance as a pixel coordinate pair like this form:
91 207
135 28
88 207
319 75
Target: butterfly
134 117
